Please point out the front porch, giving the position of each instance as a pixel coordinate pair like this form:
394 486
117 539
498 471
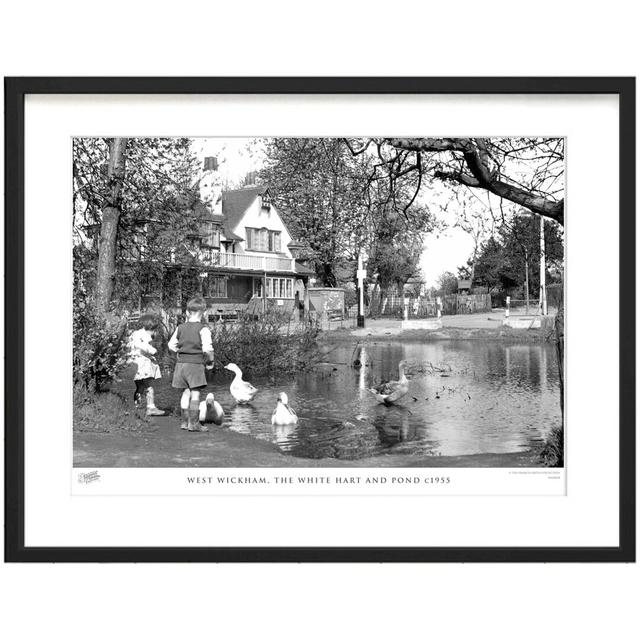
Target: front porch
228 294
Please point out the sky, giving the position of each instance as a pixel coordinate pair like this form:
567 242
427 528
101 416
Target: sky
238 156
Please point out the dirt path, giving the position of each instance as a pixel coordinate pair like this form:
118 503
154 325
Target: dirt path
166 445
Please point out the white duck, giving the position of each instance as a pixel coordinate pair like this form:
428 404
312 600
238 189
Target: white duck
283 414
211 410
240 389
390 392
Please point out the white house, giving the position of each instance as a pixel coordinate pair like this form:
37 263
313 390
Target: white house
244 251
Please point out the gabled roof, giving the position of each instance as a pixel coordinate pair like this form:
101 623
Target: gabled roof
237 201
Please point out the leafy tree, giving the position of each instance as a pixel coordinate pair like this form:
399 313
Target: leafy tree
134 209
447 284
318 188
491 269
333 200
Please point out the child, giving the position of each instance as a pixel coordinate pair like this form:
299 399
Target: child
143 356
192 342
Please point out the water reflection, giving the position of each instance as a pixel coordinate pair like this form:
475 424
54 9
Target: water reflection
465 397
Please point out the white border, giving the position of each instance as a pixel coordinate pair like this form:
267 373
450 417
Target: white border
587 516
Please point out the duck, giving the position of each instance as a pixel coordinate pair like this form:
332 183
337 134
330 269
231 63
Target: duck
211 410
283 414
241 390
390 392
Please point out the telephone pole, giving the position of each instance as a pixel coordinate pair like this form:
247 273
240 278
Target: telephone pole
543 270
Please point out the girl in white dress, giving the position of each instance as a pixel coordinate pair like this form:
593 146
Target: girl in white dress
143 355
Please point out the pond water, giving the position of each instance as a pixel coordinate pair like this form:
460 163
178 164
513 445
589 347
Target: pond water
465 397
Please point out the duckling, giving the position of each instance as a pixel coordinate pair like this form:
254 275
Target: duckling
390 392
211 410
240 389
283 414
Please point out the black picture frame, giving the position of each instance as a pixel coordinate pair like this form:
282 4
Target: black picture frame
15 91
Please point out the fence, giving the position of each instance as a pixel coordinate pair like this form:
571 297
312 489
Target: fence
393 305
464 304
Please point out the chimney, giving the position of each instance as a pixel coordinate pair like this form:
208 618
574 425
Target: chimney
211 163
251 179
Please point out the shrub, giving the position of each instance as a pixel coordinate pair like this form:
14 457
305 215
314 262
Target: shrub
99 345
552 452
267 345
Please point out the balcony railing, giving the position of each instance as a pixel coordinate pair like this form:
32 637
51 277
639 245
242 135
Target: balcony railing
249 262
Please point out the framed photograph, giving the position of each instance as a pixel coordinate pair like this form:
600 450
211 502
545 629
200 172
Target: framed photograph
320 319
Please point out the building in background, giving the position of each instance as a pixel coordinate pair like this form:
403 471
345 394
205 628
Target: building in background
242 255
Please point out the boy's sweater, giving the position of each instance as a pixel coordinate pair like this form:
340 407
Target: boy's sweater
192 342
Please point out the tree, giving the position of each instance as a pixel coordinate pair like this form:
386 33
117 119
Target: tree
139 197
447 284
105 274
521 249
474 224
331 199
526 171
318 188
492 267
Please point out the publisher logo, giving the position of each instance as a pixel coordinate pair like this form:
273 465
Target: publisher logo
89 476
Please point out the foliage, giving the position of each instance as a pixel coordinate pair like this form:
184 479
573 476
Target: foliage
99 343
318 188
447 284
104 413
503 259
266 346
552 452
158 211
335 201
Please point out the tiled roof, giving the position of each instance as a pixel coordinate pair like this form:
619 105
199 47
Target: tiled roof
237 201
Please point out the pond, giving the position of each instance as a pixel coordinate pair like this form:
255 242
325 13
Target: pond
465 397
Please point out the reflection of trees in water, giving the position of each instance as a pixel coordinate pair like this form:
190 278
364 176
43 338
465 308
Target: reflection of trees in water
528 363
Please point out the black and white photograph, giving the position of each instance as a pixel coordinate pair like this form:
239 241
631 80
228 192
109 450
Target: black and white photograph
320 302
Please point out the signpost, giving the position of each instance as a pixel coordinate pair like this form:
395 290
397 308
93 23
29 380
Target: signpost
361 274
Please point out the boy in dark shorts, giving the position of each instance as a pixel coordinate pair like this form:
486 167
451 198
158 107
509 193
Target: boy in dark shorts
192 342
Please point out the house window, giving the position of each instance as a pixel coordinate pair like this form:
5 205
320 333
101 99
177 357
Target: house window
274 241
276 288
210 256
140 242
266 200
263 240
211 235
216 287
